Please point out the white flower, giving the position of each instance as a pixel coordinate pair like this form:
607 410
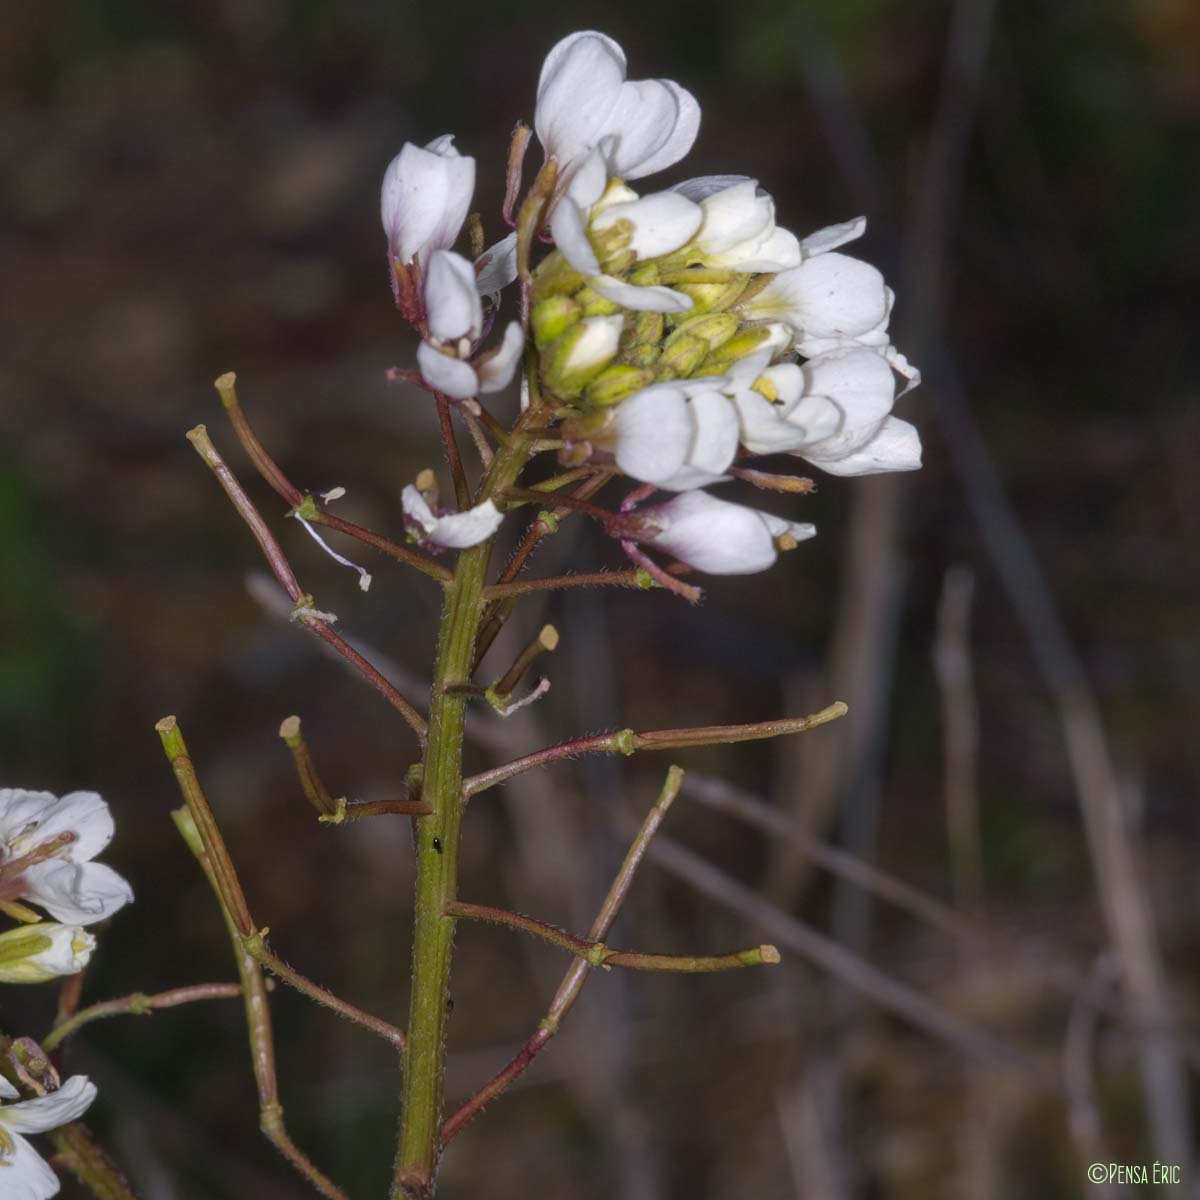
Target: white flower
24 1174
46 848
424 201
455 531
677 436
45 950
718 537
834 412
657 225
583 98
454 315
739 231
831 301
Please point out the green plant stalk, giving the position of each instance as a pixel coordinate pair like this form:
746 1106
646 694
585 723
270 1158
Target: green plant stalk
418 1145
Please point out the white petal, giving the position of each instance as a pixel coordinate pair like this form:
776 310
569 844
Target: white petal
830 299
30 819
496 267
896 447
577 91
452 300
68 1103
779 252
833 236
678 141
661 222
591 176
445 374
857 380
460 530
417 508
77 893
642 299
778 527
713 444
733 216
22 812
651 433
456 531
703 186
425 197
496 373
570 236
764 429
7 1091
787 379
594 342
25 1174
713 535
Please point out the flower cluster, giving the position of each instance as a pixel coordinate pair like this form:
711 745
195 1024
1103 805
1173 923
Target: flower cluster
47 845
678 334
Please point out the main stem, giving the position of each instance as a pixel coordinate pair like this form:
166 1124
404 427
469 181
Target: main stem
437 854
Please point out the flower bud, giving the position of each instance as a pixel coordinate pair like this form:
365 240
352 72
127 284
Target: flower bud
35 953
594 304
614 383
580 354
645 328
681 355
772 337
552 317
714 330
713 297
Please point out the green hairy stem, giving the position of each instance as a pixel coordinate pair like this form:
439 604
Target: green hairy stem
437 839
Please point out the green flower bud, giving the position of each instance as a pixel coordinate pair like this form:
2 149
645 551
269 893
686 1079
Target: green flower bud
614 383
594 304
681 355
714 330
713 297
41 951
571 362
737 347
646 327
552 318
645 355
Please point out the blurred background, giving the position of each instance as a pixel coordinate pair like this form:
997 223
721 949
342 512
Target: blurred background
992 984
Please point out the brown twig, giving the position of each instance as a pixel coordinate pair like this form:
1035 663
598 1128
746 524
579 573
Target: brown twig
251 940
139 1004
556 583
462 489
311 784
597 954
628 741
304 614
577 973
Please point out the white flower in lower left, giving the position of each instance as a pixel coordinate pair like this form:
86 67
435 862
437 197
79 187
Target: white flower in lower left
41 951
24 1173
47 844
